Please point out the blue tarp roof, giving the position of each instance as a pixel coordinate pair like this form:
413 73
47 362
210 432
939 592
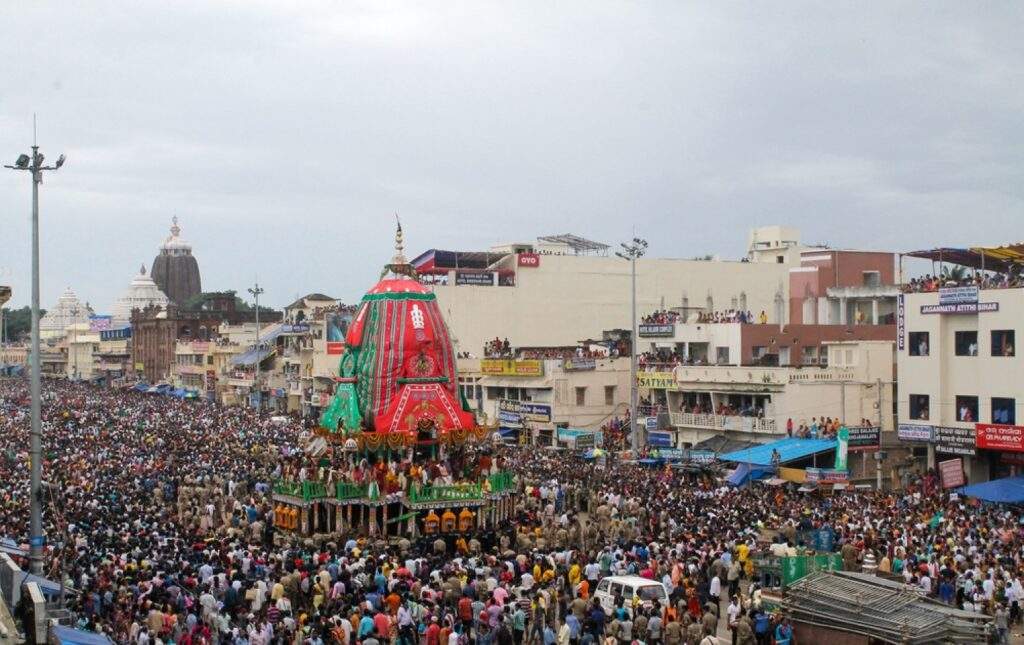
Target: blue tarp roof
743 471
70 636
789 450
141 387
1009 490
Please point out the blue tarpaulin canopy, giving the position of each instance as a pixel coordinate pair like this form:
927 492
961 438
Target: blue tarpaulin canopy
141 387
69 636
739 476
1009 490
789 450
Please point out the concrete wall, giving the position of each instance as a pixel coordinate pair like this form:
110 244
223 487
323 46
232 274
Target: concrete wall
569 298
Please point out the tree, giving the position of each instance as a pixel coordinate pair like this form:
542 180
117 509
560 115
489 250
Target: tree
954 273
19 322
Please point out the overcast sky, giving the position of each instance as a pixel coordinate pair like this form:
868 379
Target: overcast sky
285 135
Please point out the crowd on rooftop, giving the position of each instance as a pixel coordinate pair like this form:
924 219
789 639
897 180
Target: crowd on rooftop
982 280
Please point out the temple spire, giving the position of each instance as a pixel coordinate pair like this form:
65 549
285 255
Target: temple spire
175 229
399 265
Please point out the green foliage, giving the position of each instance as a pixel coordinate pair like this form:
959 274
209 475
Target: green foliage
19 322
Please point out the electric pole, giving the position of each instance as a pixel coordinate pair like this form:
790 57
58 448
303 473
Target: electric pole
631 251
34 165
256 291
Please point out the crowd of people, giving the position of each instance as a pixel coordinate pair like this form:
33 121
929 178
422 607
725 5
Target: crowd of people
158 517
983 280
732 316
664 317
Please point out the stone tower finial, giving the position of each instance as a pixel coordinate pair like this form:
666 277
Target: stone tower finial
142 270
399 246
175 229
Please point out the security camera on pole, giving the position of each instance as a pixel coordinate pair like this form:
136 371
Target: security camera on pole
631 251
34 165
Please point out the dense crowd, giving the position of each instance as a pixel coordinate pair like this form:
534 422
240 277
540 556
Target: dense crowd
928 283
159 513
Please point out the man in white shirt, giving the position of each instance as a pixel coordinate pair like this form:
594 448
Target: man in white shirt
715 590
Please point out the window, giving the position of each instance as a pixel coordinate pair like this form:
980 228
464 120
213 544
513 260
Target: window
512 394
209 360
966 343
809 355
919 407
967 409
609 395
495 393
722 355
1004 411
581 396
918 343
603 585
1002 342
872 278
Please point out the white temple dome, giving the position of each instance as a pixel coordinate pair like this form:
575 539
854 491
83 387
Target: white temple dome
141 293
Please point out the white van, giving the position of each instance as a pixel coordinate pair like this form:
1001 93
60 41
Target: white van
630 587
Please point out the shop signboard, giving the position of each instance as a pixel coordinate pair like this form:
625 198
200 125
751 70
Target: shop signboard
992 436
651 423
901 320
864 438
914 432
951 473
505 367
659 439
656 380
539 412
670 454
335 347
483 279
530 260
826 476
954 441
656 331
578 363
974 308
702 456
958 295
584 441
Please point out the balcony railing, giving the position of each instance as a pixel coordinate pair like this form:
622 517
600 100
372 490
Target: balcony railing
453 493
306 490
731 423
349 490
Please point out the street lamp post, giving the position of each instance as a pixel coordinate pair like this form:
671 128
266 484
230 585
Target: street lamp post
632 251
74 343
256 291
34 164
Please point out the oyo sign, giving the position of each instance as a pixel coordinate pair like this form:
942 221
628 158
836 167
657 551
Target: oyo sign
531 260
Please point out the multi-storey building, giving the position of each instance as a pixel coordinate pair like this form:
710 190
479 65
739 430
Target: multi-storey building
961 391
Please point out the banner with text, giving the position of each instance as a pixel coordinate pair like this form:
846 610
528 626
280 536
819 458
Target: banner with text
955 441
865 438
656 380
991 436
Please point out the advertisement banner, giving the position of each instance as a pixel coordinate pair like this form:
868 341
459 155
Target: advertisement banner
659 439
914 432
99 323
702 456
901 321
531 260
960 309
954 441
826 475
578 363
657 331
991 436
796 567
504 367
485 279
670 454
951 473
865 438
656 380
842 447
539 412
651 423
958 295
